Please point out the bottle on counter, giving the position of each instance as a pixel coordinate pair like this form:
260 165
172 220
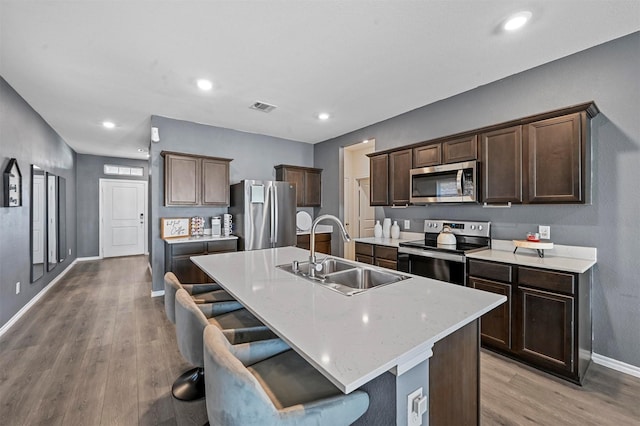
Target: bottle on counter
377 229
386 228
395 230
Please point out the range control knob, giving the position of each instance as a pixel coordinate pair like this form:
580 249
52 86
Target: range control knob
479 227
473 227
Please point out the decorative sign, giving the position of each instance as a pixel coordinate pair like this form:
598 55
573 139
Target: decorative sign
174 227
12 185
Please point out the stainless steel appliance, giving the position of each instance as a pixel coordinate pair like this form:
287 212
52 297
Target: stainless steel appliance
444 262
448 183
265 214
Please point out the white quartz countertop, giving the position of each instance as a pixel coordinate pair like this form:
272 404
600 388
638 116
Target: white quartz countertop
320 229
198 239
560 258
349 339
391 242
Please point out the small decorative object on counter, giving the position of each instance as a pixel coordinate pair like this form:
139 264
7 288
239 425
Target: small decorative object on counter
386 228
533 236
197 226
216 226
227 224
395 230
377 229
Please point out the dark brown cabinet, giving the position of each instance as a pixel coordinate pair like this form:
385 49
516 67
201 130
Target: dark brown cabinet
427 155
191 180
555 158
308 183
323 242
501 163
451 151
177 258
389 174
378 255
546 321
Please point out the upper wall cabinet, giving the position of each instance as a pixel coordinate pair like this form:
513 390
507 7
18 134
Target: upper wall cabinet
191 180
501 163
308 183
389 174
452 151
379 179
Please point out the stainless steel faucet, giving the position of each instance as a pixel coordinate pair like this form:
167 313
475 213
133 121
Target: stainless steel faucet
312 240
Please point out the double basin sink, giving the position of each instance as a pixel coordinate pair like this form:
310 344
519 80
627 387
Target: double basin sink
343 276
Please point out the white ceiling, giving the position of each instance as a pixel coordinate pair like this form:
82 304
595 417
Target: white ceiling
79 63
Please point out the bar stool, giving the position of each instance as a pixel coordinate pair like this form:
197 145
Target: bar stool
284 389
191 319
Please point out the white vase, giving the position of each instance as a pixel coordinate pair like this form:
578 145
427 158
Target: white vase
386 228
377 229
395 230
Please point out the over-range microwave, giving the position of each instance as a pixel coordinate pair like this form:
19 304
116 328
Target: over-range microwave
448 183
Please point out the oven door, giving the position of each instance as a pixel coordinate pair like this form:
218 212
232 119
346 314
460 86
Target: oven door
450 183
448 268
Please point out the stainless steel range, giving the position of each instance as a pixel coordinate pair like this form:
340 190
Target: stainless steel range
445 262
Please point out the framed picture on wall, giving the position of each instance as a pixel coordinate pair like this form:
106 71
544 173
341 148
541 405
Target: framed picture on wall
174 227
12 185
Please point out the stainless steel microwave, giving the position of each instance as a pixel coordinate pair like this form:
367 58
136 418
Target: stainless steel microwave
448 183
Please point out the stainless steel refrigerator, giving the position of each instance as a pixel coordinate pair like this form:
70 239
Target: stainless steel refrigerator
264 214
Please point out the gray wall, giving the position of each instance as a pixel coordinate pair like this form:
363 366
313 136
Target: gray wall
90 169
24 135
607 74
254 157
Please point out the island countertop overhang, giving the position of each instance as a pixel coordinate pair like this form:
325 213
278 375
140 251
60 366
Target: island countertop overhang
350 339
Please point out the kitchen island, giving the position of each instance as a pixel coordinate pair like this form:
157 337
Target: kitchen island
380 340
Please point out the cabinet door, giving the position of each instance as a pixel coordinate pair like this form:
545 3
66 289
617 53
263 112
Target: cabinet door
399 166
364 259
215 182
502 165
379 172
187 271
428 155
384 263
312 188
457 150
495 325
554 152
545 329
182 180
296 177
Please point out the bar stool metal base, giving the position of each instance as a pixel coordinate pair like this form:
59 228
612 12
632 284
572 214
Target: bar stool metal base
189 386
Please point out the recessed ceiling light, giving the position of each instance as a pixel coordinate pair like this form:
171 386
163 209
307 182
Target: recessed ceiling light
517 20
108 124
204 84
324 116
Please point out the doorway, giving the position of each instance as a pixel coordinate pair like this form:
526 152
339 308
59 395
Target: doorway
123 217
358 214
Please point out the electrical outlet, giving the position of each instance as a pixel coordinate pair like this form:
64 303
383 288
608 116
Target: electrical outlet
413 417
407 224
18 287
545 232
69 252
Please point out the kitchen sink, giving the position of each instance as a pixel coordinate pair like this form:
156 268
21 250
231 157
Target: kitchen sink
343 276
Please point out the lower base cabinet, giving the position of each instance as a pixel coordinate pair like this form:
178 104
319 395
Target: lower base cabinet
378 255
546 321
177 258
323 242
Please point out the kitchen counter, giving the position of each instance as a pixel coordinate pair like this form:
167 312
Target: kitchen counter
391 242
204 238
560 258
349 339
320 229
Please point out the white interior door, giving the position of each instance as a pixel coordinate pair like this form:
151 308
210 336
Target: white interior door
366 213
124 217
38 219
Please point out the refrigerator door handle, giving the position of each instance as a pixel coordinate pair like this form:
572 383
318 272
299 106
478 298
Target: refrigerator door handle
272 216
275 209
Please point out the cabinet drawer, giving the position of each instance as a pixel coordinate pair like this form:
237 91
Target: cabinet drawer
389 264
389 253
493 271
364 259
364 249
187 248
553 281
222 246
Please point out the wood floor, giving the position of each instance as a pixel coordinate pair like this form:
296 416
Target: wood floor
97 350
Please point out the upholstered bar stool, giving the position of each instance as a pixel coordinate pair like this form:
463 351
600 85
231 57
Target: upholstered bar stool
201 293
240 326
244 390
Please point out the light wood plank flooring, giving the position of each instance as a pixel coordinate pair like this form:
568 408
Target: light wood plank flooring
97 350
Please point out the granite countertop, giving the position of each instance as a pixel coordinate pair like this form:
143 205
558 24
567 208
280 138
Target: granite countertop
320 229
560 258
198 239
391 242
349 339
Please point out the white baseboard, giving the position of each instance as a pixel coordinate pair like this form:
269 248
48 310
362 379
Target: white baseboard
150 270
35 299
616 365
86 259
157 293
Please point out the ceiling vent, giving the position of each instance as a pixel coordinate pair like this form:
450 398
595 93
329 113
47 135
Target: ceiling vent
261 106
